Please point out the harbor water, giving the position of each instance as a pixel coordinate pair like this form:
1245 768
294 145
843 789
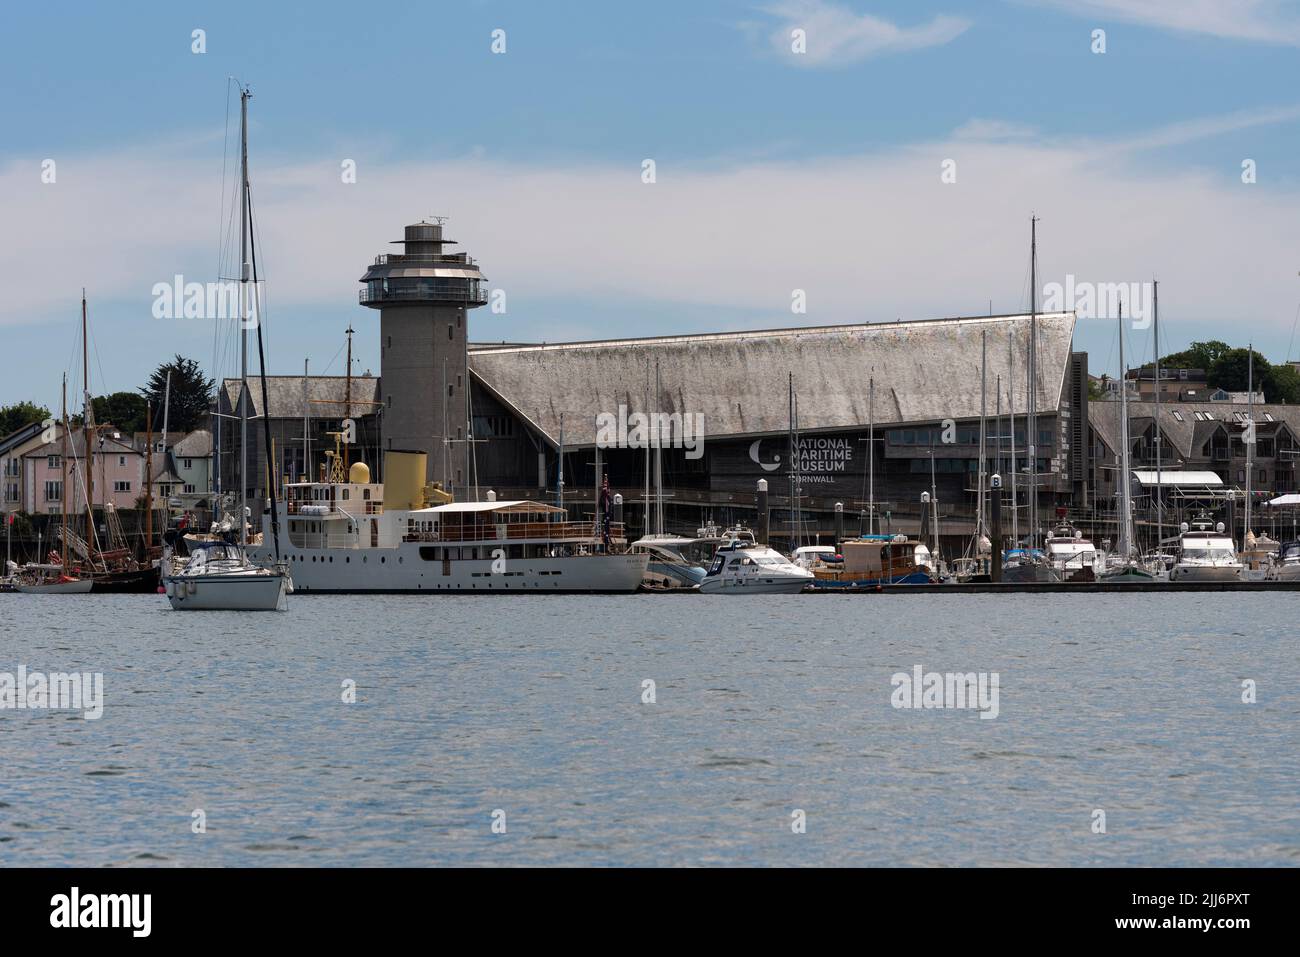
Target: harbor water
537 715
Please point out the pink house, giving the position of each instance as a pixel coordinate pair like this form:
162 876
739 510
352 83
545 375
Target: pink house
117 474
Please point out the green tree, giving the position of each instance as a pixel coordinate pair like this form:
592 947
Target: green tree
124 410
14 417
1199 355
191 395
1283 386
1231 371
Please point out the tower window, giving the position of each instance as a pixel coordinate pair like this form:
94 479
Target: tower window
451 333
458 382
449 390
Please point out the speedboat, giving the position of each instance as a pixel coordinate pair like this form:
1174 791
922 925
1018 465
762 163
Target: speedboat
676 561
742 566
220 577
1205 554
1287 566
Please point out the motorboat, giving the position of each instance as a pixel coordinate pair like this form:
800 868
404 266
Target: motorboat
742 566
1286 568
677 562
1205 554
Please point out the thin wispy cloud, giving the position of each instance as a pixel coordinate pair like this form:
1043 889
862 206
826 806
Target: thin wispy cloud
880 236
835 35
1264 21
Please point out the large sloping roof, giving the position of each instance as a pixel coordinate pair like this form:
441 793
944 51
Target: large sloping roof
924 371
324 396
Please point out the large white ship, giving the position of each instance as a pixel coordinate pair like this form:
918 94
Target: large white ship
354 535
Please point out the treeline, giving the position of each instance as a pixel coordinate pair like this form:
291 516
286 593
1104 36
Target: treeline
187 404
1229 369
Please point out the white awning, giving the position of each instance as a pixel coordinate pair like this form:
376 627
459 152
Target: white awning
1174 479
1283 500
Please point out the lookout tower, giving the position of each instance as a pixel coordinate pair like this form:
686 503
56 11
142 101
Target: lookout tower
423 295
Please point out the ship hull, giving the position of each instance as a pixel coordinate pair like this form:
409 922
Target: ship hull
403 570
1205 573
227 592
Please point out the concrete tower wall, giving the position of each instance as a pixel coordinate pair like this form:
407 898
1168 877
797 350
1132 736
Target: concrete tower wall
425 375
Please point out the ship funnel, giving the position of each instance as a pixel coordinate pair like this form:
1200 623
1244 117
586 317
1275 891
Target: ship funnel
404 479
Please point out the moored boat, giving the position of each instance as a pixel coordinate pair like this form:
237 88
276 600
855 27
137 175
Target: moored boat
742 566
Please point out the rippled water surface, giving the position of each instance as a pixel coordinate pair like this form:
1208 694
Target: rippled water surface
764 705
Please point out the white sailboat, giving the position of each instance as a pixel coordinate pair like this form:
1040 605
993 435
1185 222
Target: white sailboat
220 576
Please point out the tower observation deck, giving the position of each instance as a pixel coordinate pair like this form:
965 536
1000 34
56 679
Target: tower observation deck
423 295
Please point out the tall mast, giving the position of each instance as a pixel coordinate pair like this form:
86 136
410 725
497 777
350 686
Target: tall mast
1032 437
794 462
306 426
148 478
871 456
243 317
347 398
979 505
659 456
1011 421
63 475
87 428
1125 503
1250 434
1160 490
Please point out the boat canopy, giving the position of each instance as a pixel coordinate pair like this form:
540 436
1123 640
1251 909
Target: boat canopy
1177 478
519 507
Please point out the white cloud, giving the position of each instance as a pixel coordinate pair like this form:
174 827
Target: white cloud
1266 21
837 36
869 237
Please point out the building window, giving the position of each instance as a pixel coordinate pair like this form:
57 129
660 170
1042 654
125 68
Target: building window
451 333
1178 415
121 486
189 490
53 462
185 463
54 491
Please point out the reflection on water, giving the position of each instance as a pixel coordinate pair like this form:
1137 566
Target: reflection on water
762 706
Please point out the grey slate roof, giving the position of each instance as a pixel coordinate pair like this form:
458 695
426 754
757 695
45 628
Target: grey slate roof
325 396
924 371
1189 434
197 445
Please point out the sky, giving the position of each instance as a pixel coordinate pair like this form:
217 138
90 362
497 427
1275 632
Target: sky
887 169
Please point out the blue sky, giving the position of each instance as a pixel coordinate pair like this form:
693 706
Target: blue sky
775 171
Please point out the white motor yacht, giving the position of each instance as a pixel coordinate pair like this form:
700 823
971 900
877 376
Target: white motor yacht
1287 566
1205 554
742 566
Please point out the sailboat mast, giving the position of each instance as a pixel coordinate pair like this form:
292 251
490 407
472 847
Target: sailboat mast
63 475
1125 503
243 317
1011 421
659 457
979 506
1250 428
871 457
347 401
1032 438
87 427
1160 490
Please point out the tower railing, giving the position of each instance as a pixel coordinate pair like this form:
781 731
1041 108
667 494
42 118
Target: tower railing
460 259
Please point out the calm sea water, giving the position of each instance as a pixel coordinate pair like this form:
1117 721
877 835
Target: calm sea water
764 705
